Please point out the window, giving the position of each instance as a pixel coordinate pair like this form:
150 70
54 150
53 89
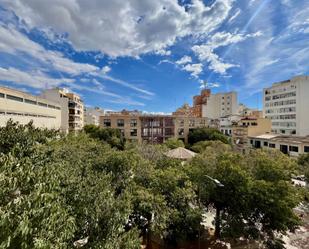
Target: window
265 143
121 132
42 104
133 122
169 131
293 148
107 123
12 97
272 146
181 122
181 132
133 132
191 123
120 122
306 149
29 101
1 95
251 141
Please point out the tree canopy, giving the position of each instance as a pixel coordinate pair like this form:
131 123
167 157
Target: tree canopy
56 190
206 134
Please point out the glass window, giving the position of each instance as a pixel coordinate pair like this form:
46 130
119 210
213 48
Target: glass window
272 146
181 132
107 123
265 143
133 132
12 97
306 149
169 131
133 122
1 95
29 101
120 122
42 104
293 148
181 122
191 122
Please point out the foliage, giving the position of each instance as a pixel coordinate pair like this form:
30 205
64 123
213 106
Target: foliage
109 135
257 198
173 143
206 134
201 146
303 162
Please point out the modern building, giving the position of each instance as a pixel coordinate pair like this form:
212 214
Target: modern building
219 105
72 114
291 145
23 108
227 122
245 111
92 115
286 105
248 127
136 126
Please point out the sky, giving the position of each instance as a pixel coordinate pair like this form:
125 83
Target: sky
152 55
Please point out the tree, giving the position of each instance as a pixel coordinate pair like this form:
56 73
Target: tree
109 135
257 199
206 134
303 162
201 146
173 143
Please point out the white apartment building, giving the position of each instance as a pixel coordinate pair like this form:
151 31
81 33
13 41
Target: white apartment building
72 115
92 115
219 105
286 103
23 107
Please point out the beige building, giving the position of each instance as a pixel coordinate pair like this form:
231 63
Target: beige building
23 108
219 105
248 127
286 105
291 145
139 127
92 115
72 115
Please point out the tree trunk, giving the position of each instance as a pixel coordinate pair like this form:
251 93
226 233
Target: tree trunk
217 223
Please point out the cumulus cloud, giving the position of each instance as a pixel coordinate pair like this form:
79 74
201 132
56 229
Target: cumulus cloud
184 60
194 69
123 28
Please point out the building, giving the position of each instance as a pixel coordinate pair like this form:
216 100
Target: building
286 104
196 109
246 111
227 122
139 127
92 115
291 145
219 105
23 108
248 127
72 108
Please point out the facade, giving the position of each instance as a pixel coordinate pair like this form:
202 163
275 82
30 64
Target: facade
23 108
227 122
92 115
248 127
291 145
286 105
72 115
246 111
139 127
219 105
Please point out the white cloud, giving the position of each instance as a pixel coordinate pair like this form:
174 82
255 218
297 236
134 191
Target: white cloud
184 60
204 84
106 69
206 51
36 79
123 28
236 14
194 69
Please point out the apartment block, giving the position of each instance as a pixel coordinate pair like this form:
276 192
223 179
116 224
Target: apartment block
286 105
23 108
136 126
92 115
248 127
291 145
219 105
72 115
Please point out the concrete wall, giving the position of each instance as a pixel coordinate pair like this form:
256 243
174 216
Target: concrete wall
23 112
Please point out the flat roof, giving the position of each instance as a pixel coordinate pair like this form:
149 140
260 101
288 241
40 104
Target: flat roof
283 138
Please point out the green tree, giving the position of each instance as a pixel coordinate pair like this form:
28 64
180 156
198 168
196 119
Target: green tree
173 143
206 134
201 146
303 162
109 135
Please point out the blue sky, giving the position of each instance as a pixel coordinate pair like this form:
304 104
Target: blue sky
152 55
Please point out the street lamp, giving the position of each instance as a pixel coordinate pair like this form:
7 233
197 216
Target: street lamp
217 218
